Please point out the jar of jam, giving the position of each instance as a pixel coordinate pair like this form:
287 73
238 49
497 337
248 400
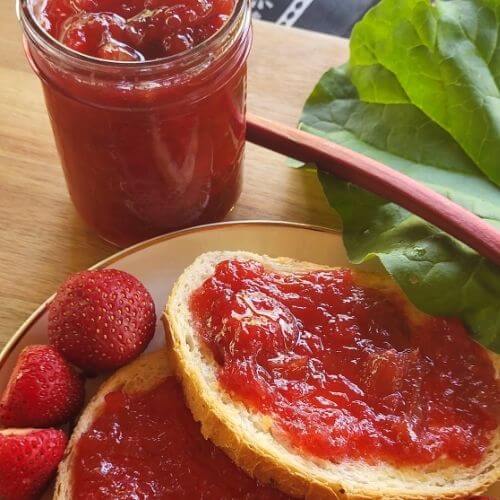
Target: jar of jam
147 104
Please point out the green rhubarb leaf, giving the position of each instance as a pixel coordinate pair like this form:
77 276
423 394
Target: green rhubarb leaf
443 57
440 275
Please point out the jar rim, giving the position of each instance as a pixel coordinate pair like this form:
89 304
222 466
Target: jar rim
34 29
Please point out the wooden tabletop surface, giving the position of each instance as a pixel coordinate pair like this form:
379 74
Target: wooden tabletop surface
42 239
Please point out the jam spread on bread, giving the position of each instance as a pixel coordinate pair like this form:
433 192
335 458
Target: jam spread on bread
346 370
147 445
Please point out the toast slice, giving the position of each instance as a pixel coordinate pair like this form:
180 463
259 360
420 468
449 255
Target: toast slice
244 433
145 373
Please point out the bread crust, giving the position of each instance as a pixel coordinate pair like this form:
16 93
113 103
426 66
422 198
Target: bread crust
145 373
244 436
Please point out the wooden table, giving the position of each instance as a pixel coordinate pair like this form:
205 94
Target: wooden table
42 239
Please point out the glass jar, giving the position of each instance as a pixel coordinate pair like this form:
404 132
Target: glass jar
148 146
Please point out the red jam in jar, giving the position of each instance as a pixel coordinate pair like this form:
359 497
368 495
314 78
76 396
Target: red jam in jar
147 103
147 445
133 30
344 370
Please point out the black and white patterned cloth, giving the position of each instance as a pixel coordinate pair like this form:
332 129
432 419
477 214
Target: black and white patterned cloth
336 17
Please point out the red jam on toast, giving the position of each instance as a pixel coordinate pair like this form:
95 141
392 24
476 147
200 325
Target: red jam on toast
343 369
147 445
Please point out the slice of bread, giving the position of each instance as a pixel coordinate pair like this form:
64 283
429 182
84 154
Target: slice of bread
244 434
145 373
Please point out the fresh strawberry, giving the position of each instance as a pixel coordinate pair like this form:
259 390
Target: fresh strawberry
101 320
28 459
43 390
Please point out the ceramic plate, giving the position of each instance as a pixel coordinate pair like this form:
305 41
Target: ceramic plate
158 263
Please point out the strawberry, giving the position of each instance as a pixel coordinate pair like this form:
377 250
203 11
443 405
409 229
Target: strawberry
101 320
43 390
28 459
